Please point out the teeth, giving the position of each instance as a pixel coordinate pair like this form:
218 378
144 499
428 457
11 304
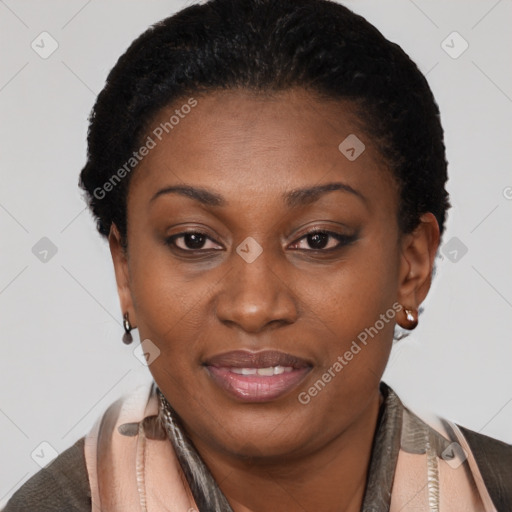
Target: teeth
267 372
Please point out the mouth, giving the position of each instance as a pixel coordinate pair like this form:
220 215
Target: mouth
257 376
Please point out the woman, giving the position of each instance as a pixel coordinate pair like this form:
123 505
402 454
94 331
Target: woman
270 176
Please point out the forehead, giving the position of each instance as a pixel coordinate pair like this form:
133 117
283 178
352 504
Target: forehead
262 144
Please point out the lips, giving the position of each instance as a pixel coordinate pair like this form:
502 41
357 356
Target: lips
263 359
257 376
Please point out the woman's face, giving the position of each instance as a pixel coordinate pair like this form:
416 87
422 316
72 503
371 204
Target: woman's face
248 277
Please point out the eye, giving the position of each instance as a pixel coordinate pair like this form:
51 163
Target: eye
322 240
190 241
318 240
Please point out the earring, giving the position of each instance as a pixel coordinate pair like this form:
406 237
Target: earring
127 336
411 319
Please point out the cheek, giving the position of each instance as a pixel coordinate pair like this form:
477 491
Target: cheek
362 288
172 302
357 317
166 303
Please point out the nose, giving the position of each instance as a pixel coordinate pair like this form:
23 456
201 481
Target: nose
256 295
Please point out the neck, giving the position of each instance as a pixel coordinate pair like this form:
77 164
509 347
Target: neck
330 479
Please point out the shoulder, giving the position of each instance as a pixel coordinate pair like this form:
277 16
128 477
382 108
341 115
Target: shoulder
62 485
494 459
487 460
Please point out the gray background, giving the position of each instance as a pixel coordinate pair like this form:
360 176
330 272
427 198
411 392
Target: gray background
62 359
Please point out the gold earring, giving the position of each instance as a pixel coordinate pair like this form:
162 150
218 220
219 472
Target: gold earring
127 336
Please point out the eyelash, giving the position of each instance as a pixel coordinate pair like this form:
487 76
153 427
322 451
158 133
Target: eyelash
343 240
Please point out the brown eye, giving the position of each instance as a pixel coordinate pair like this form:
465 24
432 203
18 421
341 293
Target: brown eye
318 240
194 240
190 241
323 241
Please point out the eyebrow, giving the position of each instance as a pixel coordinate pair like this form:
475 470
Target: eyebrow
293 198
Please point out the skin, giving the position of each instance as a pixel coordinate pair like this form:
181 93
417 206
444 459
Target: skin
251 149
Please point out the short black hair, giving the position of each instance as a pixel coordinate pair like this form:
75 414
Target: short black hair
270 46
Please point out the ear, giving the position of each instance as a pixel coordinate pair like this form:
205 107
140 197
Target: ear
119 258
418 251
